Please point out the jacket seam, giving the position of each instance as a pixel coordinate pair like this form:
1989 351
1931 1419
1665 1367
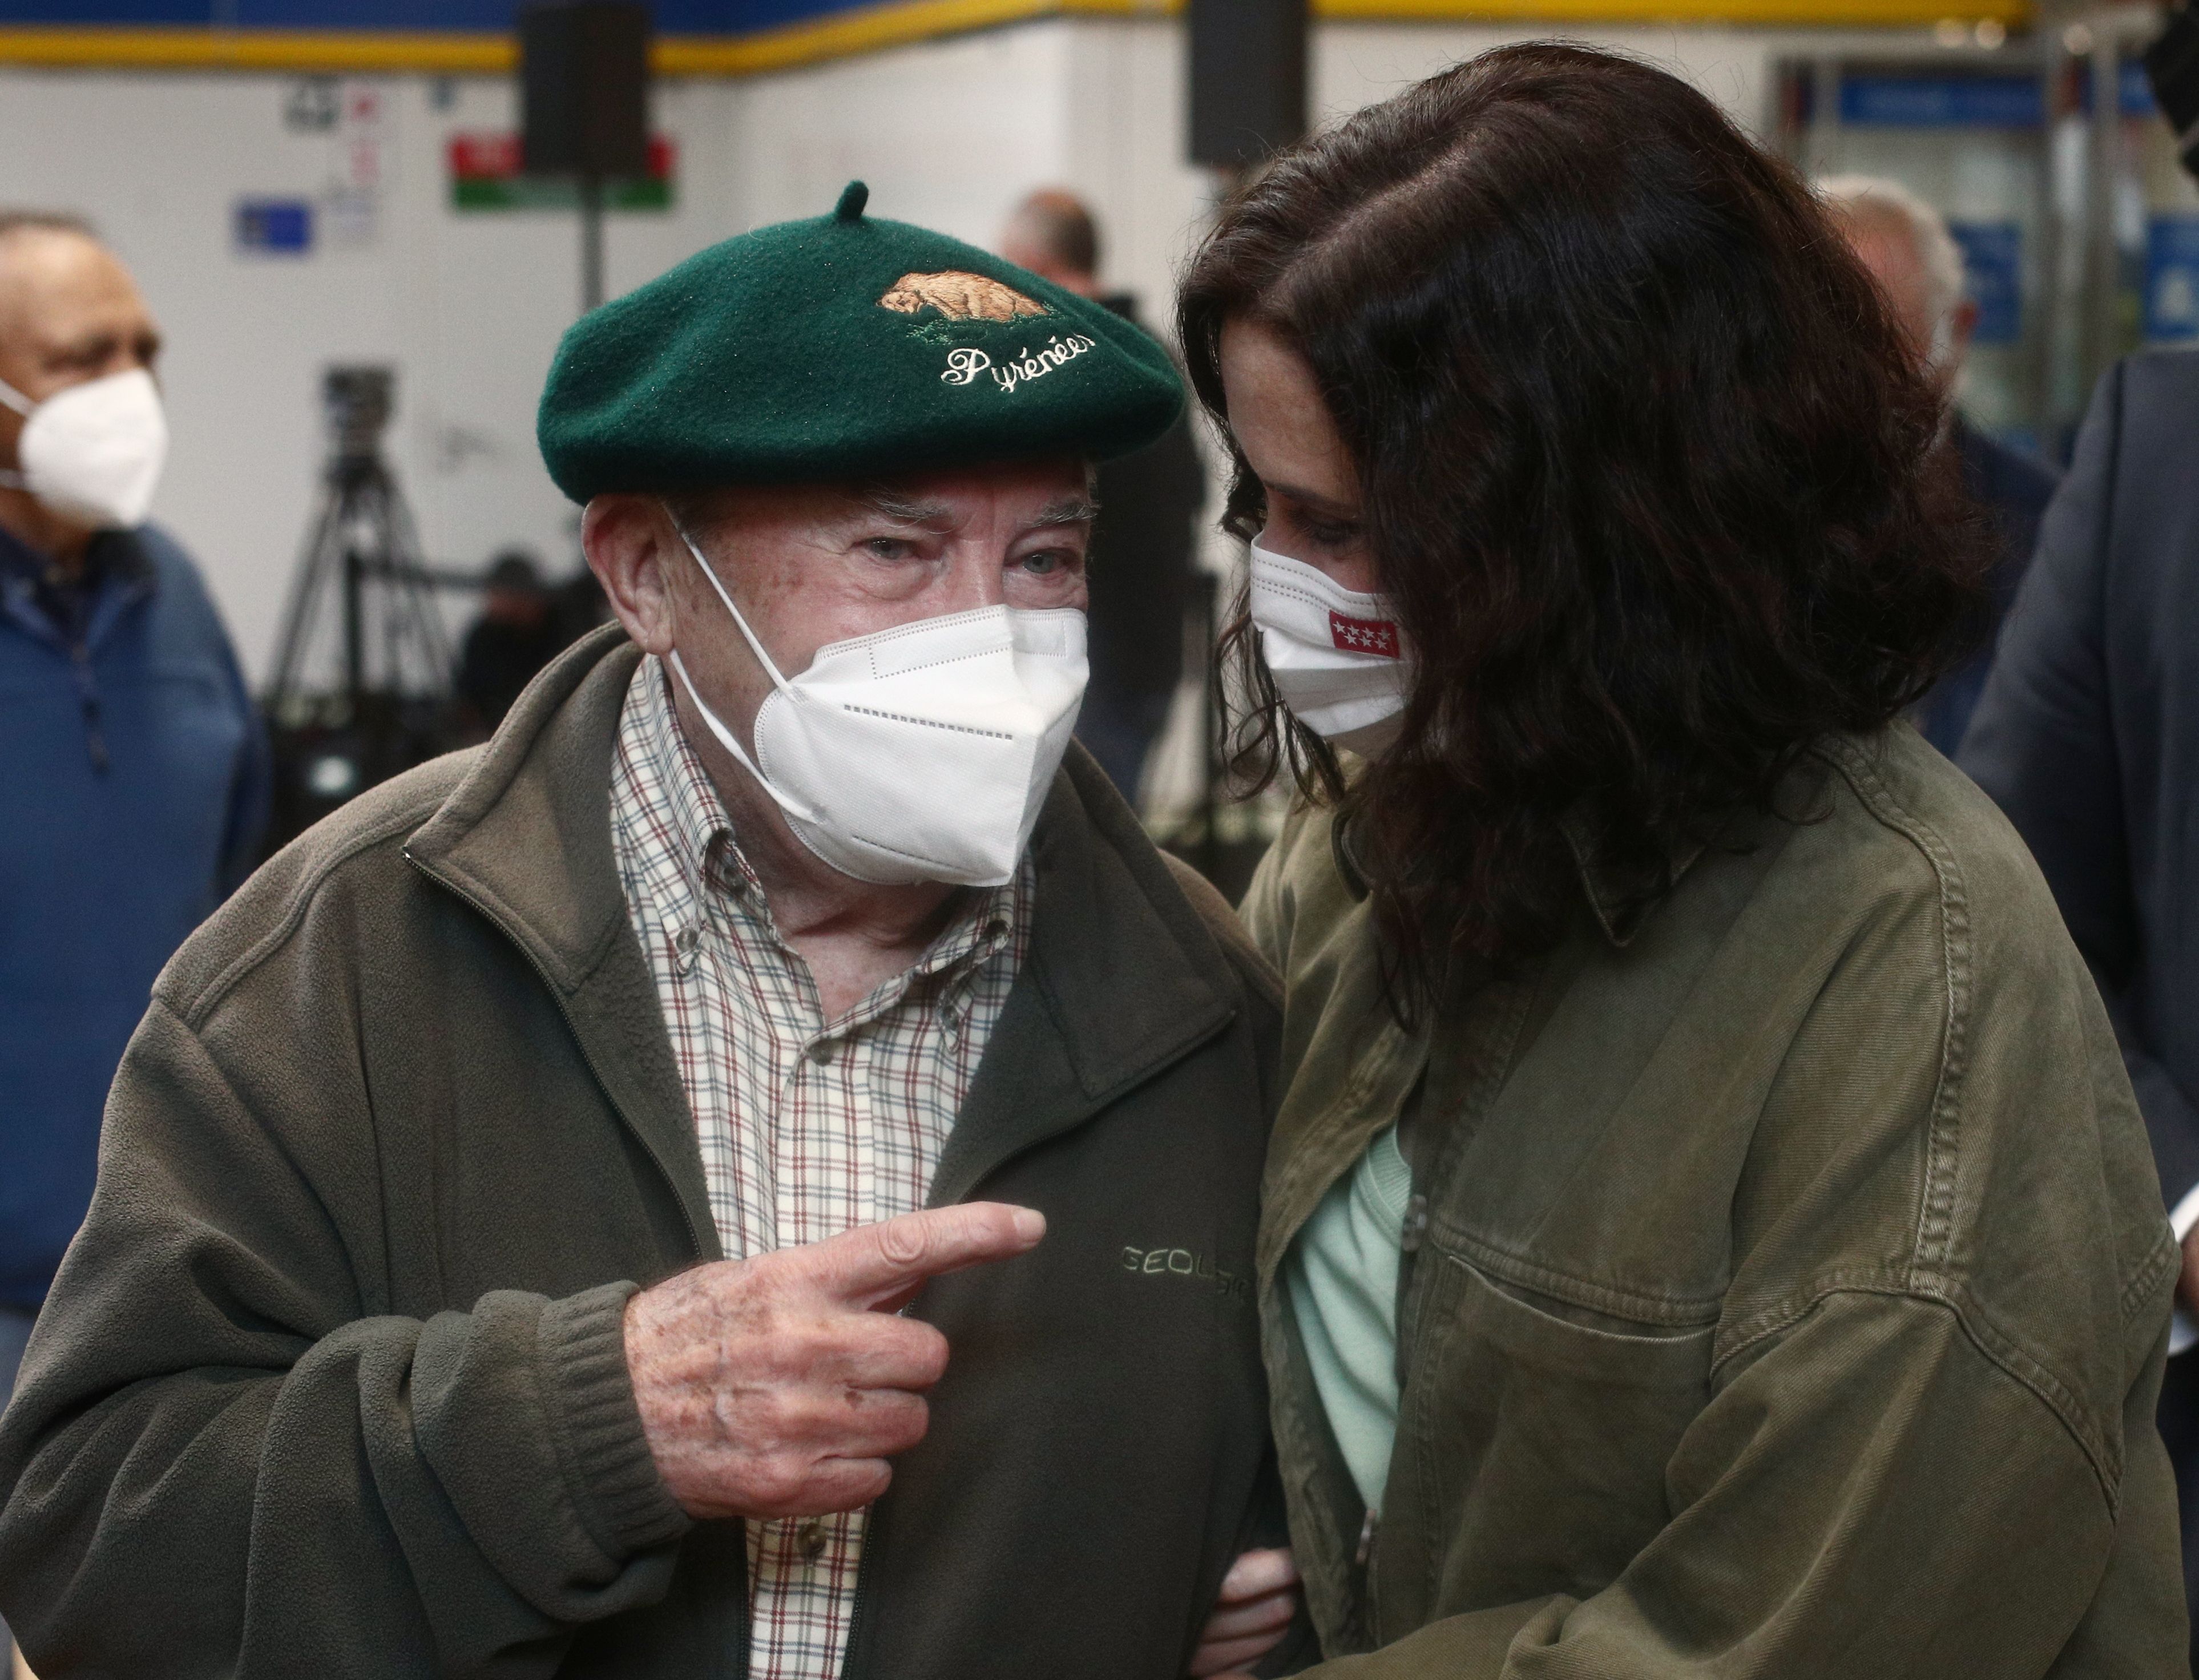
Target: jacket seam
1982 1332
2166 1253
194 1010
1935 1221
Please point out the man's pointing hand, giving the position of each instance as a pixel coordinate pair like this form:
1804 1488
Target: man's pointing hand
779 1386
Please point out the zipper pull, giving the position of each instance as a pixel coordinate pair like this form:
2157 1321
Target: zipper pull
1366 1538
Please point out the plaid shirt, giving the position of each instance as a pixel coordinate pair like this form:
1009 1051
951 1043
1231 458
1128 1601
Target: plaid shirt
808 1127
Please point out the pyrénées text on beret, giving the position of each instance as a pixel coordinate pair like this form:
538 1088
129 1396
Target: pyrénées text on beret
843 347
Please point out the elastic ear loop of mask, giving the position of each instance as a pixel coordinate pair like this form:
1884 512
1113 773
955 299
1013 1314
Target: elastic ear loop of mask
726 739
12 398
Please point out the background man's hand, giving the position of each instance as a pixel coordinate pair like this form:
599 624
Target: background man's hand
779 1386
1258 1598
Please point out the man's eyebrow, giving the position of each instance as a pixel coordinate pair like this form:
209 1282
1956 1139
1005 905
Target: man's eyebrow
1069 510
904 510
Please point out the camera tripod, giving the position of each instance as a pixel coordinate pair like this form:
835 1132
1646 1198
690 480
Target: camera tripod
363 673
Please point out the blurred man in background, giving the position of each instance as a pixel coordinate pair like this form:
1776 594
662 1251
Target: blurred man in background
1905 244
516 634
136 775
1143 552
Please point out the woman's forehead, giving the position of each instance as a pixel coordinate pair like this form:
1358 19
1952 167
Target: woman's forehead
1280 417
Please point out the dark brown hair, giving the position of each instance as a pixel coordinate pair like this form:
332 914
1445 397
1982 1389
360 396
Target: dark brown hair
1648 470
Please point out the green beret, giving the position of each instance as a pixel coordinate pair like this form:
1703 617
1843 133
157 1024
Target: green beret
843 347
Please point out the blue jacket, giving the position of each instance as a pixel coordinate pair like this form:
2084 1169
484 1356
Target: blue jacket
134 781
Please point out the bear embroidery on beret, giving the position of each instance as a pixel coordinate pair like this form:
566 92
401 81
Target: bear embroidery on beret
960 297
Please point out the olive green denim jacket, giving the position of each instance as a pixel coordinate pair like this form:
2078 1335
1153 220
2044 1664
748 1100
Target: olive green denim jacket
1788 1286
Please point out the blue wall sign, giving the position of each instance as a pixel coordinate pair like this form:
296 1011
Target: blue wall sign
1992 274
275 226
1942 102
2172 279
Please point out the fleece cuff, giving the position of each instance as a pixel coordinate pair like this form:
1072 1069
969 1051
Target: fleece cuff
589 1399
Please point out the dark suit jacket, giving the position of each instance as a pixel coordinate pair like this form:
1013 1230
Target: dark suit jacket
2014 489
2088 731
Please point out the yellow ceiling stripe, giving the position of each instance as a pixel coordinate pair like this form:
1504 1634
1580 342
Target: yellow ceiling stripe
896 23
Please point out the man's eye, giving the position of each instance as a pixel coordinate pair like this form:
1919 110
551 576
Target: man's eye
890 548
1045 562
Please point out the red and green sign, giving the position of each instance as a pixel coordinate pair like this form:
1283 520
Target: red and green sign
485 175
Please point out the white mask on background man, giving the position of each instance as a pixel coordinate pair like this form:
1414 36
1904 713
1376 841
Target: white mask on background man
92 452
921 753
1337 657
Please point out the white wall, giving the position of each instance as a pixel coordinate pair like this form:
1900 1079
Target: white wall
469 306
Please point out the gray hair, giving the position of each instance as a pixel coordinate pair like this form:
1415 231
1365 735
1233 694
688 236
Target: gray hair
1874 200
44 221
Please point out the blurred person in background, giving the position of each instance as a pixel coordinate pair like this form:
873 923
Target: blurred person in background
2088 738
1144 546
1904 244
517 634
133 768
507 1208
1708 1230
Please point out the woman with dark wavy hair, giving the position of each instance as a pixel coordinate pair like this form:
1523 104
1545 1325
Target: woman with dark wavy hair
1708 1231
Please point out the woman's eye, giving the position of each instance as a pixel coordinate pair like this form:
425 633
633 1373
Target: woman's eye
1330 536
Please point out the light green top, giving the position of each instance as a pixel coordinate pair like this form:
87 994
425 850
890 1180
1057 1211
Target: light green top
1341 1272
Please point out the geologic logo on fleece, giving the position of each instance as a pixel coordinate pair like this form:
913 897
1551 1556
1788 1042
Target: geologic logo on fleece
1186 1263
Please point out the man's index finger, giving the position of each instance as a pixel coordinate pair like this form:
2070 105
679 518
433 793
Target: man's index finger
872 1264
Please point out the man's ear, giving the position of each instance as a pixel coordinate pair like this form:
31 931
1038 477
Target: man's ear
1963 325
631 546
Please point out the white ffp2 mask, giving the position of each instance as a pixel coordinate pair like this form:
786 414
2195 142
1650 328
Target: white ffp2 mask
921 753
92 452
1337 657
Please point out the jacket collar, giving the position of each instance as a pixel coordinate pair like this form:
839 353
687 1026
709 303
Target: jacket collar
1122 979
1618 913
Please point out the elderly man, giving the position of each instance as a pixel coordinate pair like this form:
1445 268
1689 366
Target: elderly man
135 777
1904 243
753 1171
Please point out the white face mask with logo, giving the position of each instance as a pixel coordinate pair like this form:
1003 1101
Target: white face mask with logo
921 753
1337 657
92 452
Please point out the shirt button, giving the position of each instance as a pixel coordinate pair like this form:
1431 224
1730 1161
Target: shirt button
686 941
813 1540
821 1051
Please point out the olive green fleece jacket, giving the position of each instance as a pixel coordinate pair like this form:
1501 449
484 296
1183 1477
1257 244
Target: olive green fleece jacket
1790 1291
332 1383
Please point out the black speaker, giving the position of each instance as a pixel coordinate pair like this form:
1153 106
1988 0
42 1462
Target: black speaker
1248 78
584 88
2171 65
